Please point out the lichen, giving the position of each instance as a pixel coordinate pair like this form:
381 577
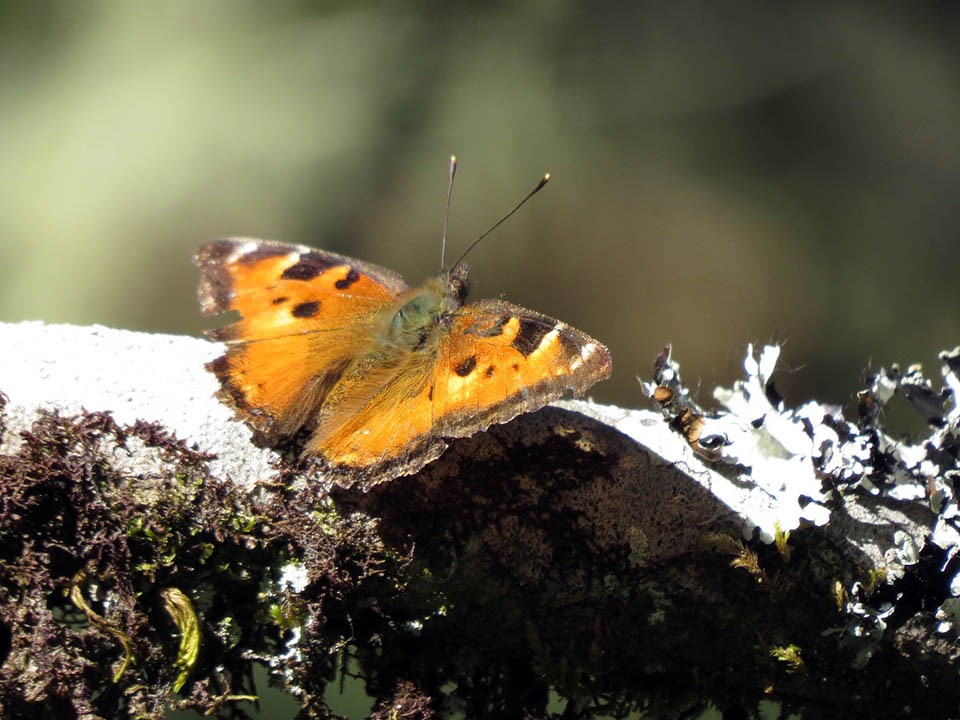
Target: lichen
805 461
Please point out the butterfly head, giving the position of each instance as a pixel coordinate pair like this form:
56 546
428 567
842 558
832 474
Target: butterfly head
456 282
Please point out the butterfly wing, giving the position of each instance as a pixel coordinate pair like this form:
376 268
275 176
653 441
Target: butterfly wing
494 362
502 360
305 315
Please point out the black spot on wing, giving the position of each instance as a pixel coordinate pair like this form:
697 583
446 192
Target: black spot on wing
465 366
309 266
569 342
489 371
306 309
347 280
530 335
279 300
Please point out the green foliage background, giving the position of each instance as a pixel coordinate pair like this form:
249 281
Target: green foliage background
724 172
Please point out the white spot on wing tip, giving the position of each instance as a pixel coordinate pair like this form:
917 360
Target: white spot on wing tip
586 352
248 246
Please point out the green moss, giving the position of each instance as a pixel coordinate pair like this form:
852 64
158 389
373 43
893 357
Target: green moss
171 577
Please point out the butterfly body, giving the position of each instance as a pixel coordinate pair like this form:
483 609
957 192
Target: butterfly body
378 374
418 317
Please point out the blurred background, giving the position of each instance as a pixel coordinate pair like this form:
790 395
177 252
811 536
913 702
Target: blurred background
722 173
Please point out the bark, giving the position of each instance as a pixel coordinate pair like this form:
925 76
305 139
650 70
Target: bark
583 560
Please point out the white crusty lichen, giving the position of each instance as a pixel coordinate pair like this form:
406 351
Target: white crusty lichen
774 445
798 463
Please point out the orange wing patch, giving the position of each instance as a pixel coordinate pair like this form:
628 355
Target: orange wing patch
278 288
305 314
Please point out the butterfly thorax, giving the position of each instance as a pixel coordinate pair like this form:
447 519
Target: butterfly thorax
419 315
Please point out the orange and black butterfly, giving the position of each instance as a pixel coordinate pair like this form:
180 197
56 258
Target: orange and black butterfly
380 375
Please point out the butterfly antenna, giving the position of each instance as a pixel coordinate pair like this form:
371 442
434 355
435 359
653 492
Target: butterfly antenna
543 181
446 209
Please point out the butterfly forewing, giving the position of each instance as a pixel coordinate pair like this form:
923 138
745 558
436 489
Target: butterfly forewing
305 315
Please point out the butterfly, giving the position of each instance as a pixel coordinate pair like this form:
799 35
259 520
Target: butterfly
378 376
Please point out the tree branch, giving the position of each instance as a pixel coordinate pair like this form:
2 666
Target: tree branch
613 558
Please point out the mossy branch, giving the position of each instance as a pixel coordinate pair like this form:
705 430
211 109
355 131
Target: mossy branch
584 553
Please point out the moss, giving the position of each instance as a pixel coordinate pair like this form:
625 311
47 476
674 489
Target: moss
123 593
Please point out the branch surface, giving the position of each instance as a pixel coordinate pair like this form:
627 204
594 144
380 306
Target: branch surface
586 551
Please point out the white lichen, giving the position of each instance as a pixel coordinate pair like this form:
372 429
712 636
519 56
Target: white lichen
798 463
